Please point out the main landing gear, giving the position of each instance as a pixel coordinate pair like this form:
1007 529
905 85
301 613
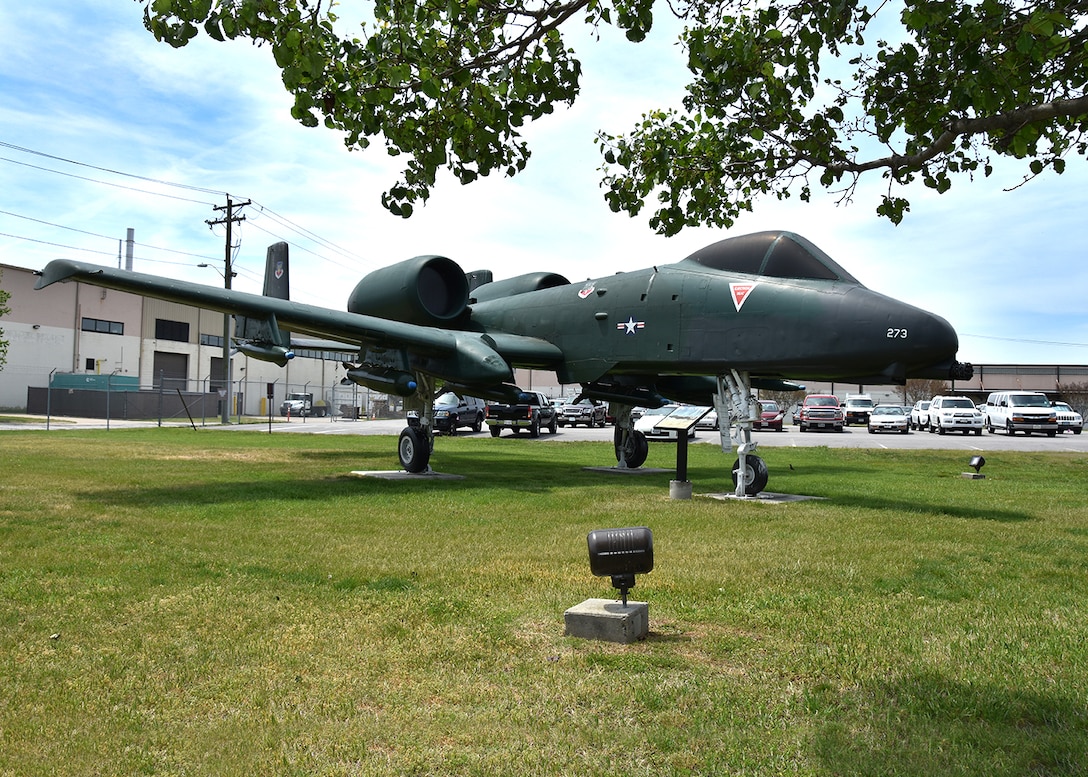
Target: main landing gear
631 446
416 443
733 400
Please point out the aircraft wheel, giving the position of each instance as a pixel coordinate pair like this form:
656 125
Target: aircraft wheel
636 451
755 474
414 449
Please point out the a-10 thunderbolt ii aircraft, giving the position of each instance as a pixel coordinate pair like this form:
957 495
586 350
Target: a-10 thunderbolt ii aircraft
755 311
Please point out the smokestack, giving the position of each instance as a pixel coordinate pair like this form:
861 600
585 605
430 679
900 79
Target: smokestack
129 239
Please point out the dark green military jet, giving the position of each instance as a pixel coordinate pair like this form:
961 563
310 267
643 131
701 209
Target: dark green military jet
755 311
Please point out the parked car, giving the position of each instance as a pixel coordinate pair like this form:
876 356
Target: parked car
858 407
1020 411
452 411
821 411
954 414
588 411
770 415
708 421
1068 418
888 418
919 415
532 412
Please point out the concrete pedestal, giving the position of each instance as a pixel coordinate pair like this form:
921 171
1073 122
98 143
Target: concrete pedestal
679 489
608 620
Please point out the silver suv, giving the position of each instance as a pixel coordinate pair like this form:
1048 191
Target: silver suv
954 414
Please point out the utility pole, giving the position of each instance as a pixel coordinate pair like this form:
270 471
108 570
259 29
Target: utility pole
228 273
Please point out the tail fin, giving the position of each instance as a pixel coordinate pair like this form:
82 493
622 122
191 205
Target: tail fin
262 338
277 276
478 278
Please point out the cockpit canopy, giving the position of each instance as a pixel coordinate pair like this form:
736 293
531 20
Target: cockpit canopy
777 254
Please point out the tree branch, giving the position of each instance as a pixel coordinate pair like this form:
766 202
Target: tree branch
1005 121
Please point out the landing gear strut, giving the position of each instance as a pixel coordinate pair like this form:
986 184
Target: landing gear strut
631 446
417 442
733 401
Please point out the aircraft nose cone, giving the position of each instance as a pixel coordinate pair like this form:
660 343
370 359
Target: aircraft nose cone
908 342
934 347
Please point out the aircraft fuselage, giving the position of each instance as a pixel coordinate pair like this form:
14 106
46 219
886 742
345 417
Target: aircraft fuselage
685 319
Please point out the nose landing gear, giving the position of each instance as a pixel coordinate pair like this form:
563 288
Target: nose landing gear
734 403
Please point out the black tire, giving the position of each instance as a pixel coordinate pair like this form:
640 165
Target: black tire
496 431
636 451
414 449
756 475
476 427
1009 430
534 428
553 427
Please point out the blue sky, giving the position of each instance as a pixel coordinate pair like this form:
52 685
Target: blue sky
82 81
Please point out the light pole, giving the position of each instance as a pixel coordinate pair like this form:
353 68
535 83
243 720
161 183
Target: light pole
227 221
227 376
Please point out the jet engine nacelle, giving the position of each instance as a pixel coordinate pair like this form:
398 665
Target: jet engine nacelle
522 284
424 290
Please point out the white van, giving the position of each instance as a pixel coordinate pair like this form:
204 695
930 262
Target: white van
1020 411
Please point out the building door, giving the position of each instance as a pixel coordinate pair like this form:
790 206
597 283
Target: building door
172 369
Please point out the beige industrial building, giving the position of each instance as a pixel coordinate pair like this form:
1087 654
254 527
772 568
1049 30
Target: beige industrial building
76 337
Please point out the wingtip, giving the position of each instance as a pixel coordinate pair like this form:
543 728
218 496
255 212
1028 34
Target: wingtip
59 270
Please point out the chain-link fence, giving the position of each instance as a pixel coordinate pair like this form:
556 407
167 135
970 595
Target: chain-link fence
201 402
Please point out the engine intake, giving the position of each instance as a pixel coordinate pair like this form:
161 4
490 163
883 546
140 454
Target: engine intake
425 290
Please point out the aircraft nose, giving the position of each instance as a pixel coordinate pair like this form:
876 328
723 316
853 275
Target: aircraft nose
915 343
934 347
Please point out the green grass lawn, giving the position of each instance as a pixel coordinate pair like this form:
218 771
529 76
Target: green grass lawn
205 602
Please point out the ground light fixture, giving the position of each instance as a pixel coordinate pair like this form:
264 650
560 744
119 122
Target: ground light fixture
976 462
621 554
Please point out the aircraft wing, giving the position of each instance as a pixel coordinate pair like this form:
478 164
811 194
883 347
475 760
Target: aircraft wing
464 357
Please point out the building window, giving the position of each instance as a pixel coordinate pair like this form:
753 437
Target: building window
106 327
171 330
89 365
216 340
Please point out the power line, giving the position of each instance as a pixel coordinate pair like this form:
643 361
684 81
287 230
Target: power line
12 146
91 234
264 210
1022 340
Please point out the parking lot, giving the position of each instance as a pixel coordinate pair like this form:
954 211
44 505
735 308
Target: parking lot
790 436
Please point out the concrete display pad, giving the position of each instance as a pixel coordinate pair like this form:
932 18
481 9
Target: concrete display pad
608 620
765 497
629 470
400 474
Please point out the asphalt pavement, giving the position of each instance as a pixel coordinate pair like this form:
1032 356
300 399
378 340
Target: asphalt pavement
790 436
